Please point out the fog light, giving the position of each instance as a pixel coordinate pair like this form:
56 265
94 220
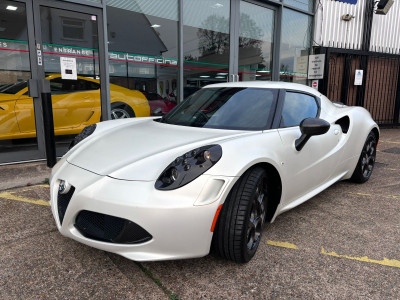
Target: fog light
64 187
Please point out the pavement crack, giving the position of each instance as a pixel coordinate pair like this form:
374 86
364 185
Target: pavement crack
158 282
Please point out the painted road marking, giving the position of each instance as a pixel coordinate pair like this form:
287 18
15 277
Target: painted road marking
369 195
391 169
385 262
390 142
282 244
360 194
11 196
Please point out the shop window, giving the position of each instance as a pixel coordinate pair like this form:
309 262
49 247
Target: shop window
143 46
295 46
256 41
205 42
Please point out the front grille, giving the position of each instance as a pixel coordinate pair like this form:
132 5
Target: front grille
62 203
110 229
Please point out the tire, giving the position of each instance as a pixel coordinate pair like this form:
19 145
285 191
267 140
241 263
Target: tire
366 161
239 227
121 111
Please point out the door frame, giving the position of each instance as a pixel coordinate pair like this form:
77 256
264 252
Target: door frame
101 51
37 71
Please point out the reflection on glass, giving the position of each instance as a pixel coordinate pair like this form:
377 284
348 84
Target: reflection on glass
295 46
205 42
256 38
16 107
143 48
70 52
296 108
226 108
307 5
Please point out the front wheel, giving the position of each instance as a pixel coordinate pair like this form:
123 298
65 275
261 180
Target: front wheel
366 161
239 228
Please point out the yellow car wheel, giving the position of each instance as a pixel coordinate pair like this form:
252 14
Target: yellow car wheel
121 110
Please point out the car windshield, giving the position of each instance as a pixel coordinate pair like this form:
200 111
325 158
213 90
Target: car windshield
237 108
14 88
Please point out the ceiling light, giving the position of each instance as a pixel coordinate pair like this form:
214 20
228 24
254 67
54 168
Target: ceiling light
155 26
220 77
204 76
222 74
263 71
217 5
11 7
257 75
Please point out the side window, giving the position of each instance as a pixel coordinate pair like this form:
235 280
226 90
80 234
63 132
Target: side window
296 108
61 86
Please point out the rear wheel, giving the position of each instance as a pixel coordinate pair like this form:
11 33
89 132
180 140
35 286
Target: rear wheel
239 228
121 111
366 161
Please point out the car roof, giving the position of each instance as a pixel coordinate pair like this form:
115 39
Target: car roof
267 85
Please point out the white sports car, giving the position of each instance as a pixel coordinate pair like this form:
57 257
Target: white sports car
210 173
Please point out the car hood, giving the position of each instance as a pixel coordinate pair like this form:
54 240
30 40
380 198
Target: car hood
141 150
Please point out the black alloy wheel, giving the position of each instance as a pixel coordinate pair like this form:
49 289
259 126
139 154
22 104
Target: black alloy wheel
238 232
366 161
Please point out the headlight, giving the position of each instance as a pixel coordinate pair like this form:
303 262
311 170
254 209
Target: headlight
88 130
188 167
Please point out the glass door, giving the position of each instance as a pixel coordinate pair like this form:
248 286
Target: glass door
18 138
55 41
254 48
70 47
256 42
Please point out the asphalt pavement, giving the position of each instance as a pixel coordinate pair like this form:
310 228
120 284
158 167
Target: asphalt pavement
342 244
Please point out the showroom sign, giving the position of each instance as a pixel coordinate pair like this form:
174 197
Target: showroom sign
142 59
53 49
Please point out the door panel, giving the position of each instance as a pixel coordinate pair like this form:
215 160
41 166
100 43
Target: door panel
311 166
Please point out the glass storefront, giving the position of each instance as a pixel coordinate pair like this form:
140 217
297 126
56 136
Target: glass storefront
143 49
159 53
256 41
17 119
295 46
206 43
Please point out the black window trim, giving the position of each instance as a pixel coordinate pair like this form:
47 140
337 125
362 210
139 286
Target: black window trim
281 101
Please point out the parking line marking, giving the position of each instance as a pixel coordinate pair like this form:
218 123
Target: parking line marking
10 196
385 261
282 244
390 142
360 194
390 169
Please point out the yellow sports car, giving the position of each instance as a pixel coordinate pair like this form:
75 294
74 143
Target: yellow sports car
76 104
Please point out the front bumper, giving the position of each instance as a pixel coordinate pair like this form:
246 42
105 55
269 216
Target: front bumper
179 221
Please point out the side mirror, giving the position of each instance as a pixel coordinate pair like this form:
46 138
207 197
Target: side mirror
310 127
157 112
